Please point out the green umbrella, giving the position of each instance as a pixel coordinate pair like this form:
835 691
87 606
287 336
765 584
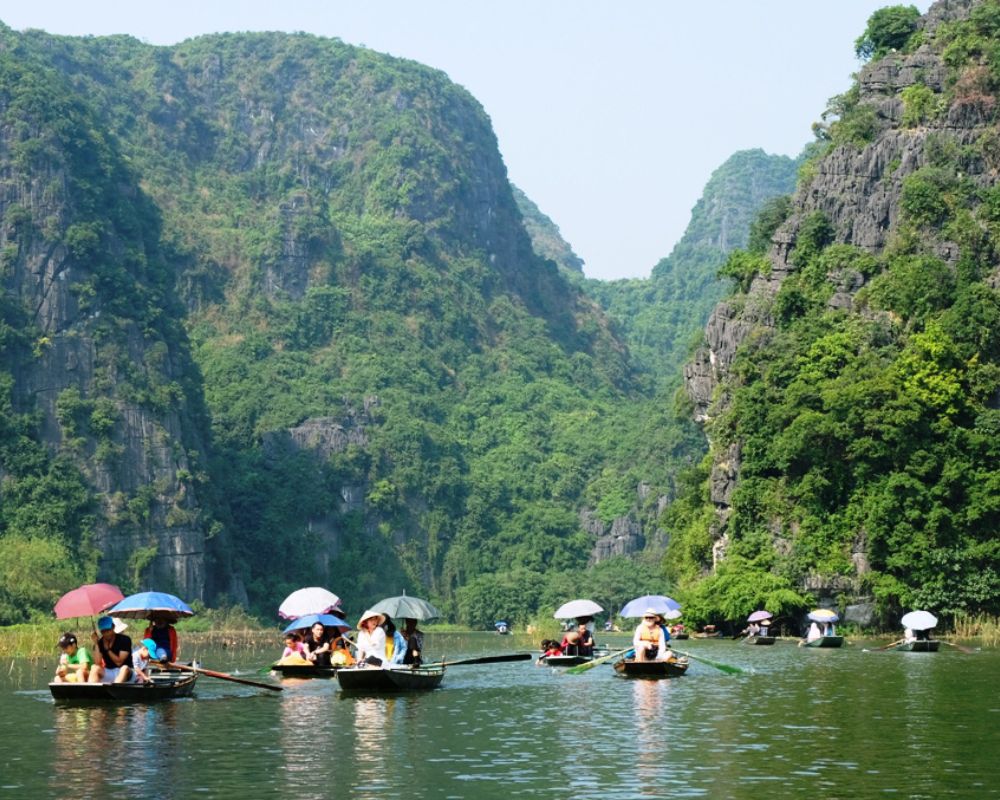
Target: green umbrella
406 607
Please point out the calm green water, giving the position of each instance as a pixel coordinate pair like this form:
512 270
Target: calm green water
817 723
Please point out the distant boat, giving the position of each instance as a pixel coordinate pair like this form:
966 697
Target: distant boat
501 627
825 641
651 669
759 640
919 646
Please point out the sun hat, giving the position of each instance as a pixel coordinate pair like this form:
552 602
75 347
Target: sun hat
105 624
649 612
120 625
150 645
369 614
66 640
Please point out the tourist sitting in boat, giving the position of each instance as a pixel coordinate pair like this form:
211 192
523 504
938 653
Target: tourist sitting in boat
295 651
371 639
141 657
579 642
753 629
648 639
829 629
165 635
317 645
395 644
909 635
813 633
764 627
75 662
115 650
414 642
550 647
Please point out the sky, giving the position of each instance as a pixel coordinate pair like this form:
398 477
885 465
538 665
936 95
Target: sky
611 116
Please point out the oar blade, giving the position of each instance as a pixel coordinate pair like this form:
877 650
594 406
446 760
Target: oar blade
729 669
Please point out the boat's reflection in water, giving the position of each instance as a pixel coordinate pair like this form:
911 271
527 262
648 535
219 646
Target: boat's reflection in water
652 727
99 747
372 758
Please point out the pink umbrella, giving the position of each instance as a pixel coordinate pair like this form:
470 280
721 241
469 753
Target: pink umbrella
88 600
758 616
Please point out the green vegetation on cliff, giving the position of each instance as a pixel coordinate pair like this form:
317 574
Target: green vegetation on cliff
661 316
400 393
865 419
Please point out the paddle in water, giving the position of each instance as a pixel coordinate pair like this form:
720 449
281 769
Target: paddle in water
223 676
484 660
729 669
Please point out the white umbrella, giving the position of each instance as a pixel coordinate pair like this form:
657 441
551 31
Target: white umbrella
311 600
659 603
919 620
577 608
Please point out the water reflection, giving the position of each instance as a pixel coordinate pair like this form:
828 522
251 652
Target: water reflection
373 725
112 746
304 732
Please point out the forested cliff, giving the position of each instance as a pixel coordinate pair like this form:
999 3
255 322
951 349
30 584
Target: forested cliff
273 315
850 385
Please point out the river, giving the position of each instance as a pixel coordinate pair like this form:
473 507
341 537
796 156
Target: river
798 723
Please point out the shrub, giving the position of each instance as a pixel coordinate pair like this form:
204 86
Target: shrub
888 29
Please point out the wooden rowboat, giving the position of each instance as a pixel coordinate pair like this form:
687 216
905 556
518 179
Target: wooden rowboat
919 646
680 635
162 687
305 671
708 635
651 669
565 661
374 680
826 641
759 640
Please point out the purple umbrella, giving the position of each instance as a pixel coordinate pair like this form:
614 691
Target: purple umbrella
758 616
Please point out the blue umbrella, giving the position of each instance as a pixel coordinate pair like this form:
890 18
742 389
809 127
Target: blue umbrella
326 620
147 605
659 603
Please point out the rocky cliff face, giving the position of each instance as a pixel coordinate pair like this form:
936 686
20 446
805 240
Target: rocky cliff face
105 379
856 188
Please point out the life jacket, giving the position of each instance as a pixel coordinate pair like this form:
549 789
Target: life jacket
649 635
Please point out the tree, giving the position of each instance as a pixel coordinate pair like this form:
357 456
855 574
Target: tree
888 29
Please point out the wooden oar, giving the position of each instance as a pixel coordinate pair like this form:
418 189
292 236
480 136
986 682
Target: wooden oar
957 646
591 664
887 647
727 668
223 676
483 660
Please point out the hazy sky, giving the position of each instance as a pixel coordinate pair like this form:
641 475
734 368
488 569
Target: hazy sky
611 116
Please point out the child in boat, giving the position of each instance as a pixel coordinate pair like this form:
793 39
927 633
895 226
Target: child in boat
550 647
141 656
295 651
75 661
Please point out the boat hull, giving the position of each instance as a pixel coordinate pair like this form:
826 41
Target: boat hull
565 661
679 636
368 680
162 688
826 641
713 635
759 640
919 646
651 670
304 671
